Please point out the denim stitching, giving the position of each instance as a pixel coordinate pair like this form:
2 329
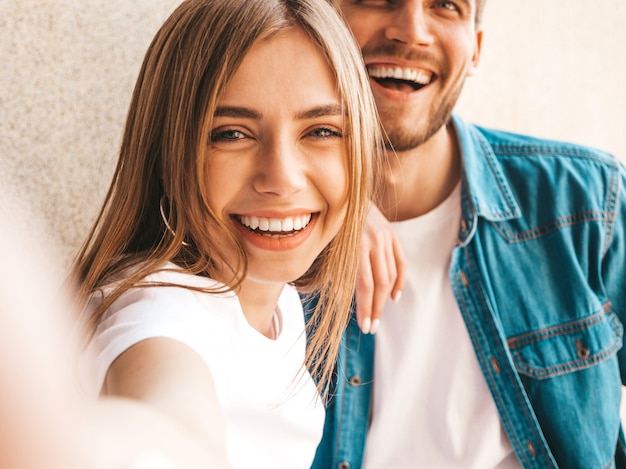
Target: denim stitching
470 327
518 395
343 398
524 151
513 434
487 150
554 331
572 365
555 225
568 367
612 196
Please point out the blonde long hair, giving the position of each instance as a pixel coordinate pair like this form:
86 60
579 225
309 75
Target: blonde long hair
188 64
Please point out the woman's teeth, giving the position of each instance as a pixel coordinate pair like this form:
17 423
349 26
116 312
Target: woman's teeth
276 225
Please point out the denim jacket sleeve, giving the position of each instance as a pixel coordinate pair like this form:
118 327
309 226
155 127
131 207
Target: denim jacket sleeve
614 265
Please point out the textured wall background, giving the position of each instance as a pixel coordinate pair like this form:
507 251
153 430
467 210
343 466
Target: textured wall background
68 71
549 68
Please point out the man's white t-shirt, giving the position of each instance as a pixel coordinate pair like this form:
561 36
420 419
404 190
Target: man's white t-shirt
273 420
431 405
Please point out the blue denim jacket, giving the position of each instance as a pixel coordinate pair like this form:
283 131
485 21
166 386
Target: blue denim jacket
539 274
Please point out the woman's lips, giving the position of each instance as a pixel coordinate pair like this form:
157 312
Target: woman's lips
274 233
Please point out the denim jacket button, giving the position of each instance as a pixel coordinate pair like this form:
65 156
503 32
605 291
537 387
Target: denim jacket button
355 381
464 280
531 448
495 365
582 351
344 465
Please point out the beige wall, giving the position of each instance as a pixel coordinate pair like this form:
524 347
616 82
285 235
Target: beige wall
68 69
552 68
555 69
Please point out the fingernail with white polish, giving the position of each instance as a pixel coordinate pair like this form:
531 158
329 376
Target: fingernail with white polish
365 327
397 296
374 327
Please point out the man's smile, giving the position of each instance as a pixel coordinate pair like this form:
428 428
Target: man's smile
399 78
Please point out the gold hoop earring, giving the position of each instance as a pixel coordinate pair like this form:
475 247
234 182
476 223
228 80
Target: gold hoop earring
167 223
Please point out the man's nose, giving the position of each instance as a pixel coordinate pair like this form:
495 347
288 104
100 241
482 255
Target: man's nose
410 25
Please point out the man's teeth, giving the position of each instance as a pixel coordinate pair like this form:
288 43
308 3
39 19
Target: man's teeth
276 225
400 73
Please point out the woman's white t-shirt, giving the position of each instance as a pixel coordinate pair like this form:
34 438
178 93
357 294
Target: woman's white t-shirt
274 417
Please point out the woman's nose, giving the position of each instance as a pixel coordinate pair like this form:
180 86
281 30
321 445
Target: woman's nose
280 171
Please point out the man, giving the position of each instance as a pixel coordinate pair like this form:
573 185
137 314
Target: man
505 348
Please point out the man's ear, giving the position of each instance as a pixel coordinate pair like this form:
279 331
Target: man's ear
477 49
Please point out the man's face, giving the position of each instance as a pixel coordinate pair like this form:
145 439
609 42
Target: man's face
418 54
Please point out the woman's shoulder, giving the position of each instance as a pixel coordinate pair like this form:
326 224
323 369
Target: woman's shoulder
166 304
176 275
169 292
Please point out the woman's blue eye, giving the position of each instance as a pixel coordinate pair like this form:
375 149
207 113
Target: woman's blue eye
227 135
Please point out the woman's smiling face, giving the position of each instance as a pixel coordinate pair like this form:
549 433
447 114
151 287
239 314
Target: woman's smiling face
277 158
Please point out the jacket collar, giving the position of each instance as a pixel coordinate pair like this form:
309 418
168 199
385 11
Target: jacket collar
486 192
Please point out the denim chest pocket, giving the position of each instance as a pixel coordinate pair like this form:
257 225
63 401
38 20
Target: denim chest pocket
567 347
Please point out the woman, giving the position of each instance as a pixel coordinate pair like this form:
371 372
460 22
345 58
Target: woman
244 172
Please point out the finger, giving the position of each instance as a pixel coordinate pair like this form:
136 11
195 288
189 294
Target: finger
381 260
400 265
364 292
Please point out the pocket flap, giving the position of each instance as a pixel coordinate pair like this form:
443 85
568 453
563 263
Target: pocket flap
567 347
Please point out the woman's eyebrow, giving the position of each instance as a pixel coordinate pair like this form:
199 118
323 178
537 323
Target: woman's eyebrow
321 111
236 111
317 111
